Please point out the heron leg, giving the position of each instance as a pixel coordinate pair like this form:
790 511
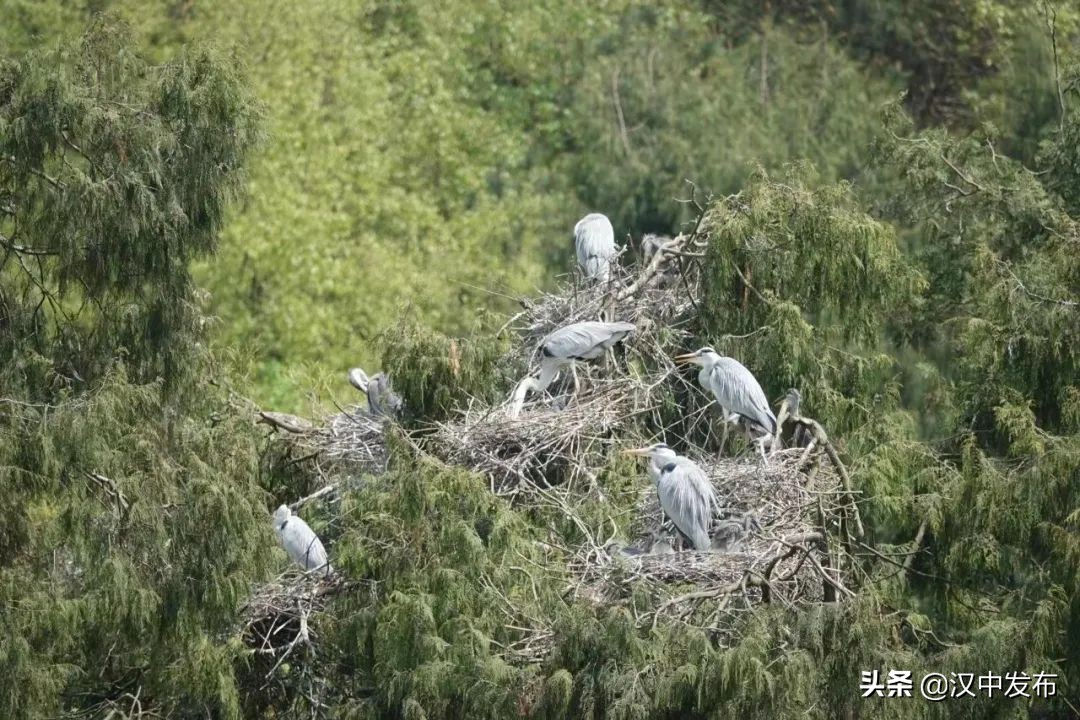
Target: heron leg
577 383
761 450
723 439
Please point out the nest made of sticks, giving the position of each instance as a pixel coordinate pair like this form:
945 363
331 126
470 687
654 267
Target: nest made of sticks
351 441
561 434
802 504
276 620
782 556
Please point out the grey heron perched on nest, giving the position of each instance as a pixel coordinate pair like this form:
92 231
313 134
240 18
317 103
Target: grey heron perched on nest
300 541
565 346
738 393
594 241
382 400
685 493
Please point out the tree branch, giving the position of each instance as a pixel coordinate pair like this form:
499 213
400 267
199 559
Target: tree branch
1050 13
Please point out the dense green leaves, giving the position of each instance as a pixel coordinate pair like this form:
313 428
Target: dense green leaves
126 470
114 177
802 285
435 156
436 374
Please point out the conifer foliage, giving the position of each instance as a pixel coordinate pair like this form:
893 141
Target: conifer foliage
132 522
932 327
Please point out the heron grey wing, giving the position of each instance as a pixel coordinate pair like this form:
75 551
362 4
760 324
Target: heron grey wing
302 544
594 241
736 389
584 340
382 400
314 553
704 488
684 505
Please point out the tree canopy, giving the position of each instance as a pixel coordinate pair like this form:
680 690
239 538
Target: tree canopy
208 209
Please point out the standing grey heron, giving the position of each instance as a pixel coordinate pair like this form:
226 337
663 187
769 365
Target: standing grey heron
737 392
382 400
579 341
300 541
685 493
594 240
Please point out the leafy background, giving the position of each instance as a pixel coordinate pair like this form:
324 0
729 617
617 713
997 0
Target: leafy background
203 204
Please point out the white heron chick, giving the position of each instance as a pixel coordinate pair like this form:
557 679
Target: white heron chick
300 541
685 493
594 241
737 392
579 341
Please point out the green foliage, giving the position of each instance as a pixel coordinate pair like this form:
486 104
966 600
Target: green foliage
113 178
801 285
446 554
431 155
680 101
1002 320
428 154
944 47
125 470
385 184
436 374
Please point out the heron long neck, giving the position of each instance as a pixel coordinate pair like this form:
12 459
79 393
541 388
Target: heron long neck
548 371
703 376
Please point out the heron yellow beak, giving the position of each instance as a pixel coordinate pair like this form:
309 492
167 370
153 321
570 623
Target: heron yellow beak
640 452
687 359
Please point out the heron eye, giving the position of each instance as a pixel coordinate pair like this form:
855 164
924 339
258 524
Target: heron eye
669 467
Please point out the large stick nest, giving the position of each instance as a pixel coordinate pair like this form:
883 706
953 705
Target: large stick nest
349 445
561 434
781 532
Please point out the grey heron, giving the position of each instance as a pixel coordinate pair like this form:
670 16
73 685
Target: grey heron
802 435
382 400
300 541
650 246
594 241
579 341
655 544
737 392
685 493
